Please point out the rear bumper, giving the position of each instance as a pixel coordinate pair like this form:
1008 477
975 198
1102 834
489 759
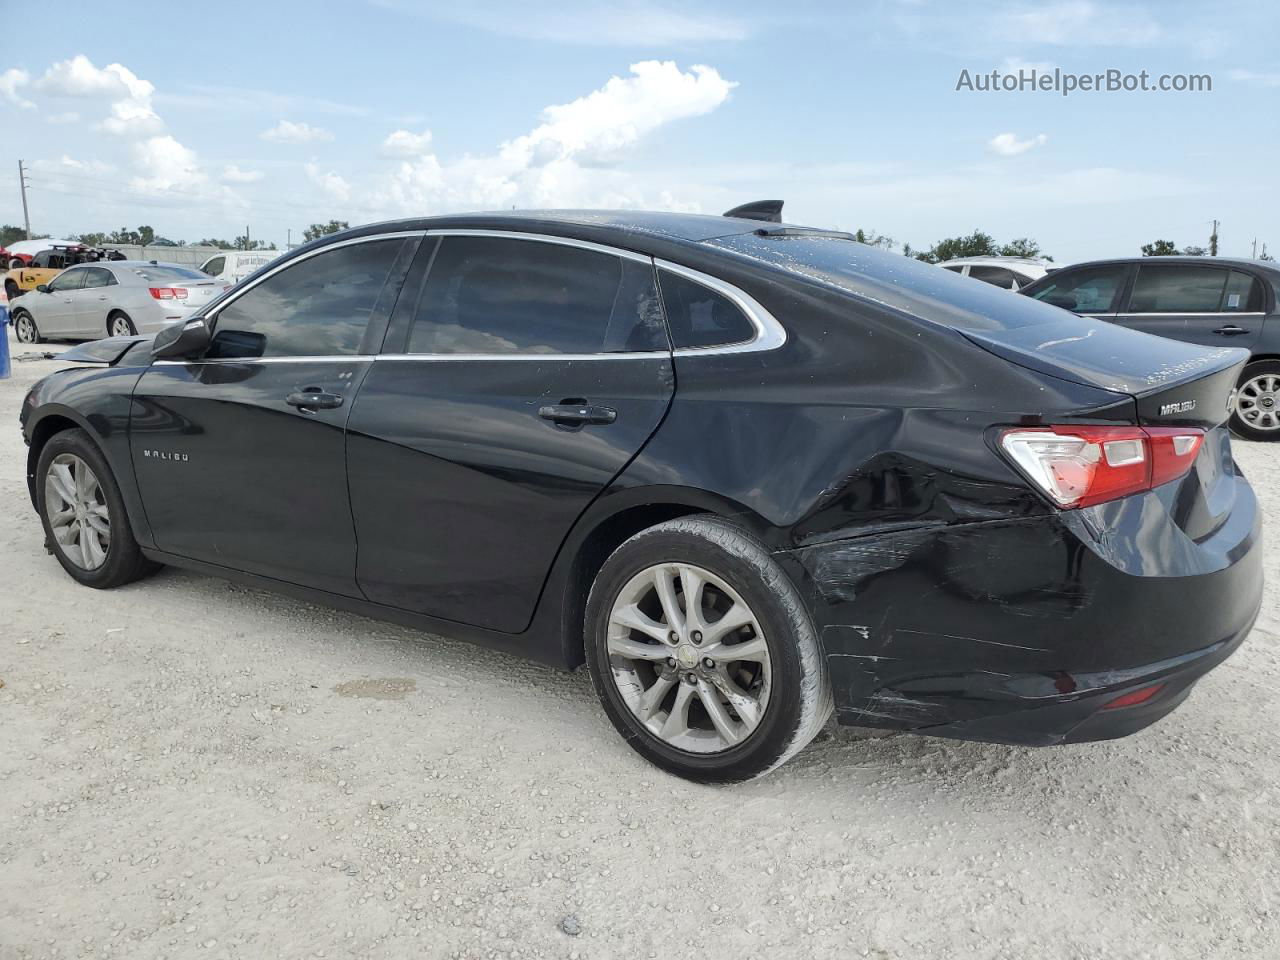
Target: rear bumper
1022 630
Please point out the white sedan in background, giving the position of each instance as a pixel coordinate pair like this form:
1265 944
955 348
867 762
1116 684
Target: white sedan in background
112 299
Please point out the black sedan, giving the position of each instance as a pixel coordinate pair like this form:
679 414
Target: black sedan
1212 301
746 472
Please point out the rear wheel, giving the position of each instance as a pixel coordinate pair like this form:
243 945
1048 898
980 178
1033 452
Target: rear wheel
119 325
24 326
84 517
702 653
1257 408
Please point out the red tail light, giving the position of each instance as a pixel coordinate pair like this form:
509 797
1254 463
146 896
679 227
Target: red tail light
1135 697
1078 466
169 293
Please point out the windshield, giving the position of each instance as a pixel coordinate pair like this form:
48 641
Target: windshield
904 283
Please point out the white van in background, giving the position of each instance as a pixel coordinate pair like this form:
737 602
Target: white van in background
233 266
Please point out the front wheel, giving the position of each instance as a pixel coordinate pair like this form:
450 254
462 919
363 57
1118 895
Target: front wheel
24 326
84 518
1257 409
703 654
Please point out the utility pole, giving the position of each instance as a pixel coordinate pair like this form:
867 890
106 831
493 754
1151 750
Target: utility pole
246 237
22 183
1255 248
1213 240
288 241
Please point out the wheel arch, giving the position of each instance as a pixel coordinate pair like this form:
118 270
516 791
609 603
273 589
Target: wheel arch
49 425
605 528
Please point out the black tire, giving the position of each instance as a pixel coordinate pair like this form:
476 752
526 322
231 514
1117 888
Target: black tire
1260 405
120 315
124 561
25 329
799 703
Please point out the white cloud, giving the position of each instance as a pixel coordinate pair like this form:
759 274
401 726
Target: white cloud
10 81
566 160
1008 144
331 183
628 23
84 166
233 174
165 164
286 131
1017 65
404 143
70 116
1071 23
131 111
1255 77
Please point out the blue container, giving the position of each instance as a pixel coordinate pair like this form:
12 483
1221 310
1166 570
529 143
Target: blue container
4 341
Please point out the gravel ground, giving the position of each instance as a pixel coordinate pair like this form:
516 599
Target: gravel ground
193 769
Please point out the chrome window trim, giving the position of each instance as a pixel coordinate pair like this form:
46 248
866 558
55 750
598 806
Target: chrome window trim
328 358
541 238
770 334
637 355
1210 313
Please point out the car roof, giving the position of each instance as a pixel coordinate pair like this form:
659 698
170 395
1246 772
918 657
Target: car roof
1198 260
1029 261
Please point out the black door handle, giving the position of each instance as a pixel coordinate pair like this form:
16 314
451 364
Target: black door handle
577 413
313 399
1230 330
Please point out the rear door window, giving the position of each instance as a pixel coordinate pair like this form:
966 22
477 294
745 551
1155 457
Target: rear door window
495 295
1088 290
996 276
97 277
1175 288
700 317
1243 294
316 307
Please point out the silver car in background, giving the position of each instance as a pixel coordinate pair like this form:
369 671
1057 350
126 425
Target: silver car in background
112 299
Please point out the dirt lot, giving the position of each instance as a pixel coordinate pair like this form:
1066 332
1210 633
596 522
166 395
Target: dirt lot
193 769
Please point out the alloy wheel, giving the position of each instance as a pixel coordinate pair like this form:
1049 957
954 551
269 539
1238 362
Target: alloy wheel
1258 402
25 328
120 327
76 506
689 658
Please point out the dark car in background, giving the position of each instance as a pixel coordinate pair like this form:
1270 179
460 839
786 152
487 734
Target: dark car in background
1212 301
745 471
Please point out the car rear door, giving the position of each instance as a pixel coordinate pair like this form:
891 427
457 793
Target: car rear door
519 378
240 454
1198 303
1090 290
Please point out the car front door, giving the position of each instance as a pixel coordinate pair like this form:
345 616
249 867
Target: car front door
517 382
240 453
55 310
93 301
1211 305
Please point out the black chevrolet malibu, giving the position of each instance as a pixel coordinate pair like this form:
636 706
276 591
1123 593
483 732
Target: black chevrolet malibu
746 472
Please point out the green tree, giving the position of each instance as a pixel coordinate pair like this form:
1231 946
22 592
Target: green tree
11 234
873 239
220 244
1160 248
1195 251
1023 247
976 244
323 229
92 239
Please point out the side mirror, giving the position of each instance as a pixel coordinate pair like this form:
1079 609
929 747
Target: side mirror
42 288
182 340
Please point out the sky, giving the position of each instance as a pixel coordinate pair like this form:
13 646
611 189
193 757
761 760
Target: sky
277 115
